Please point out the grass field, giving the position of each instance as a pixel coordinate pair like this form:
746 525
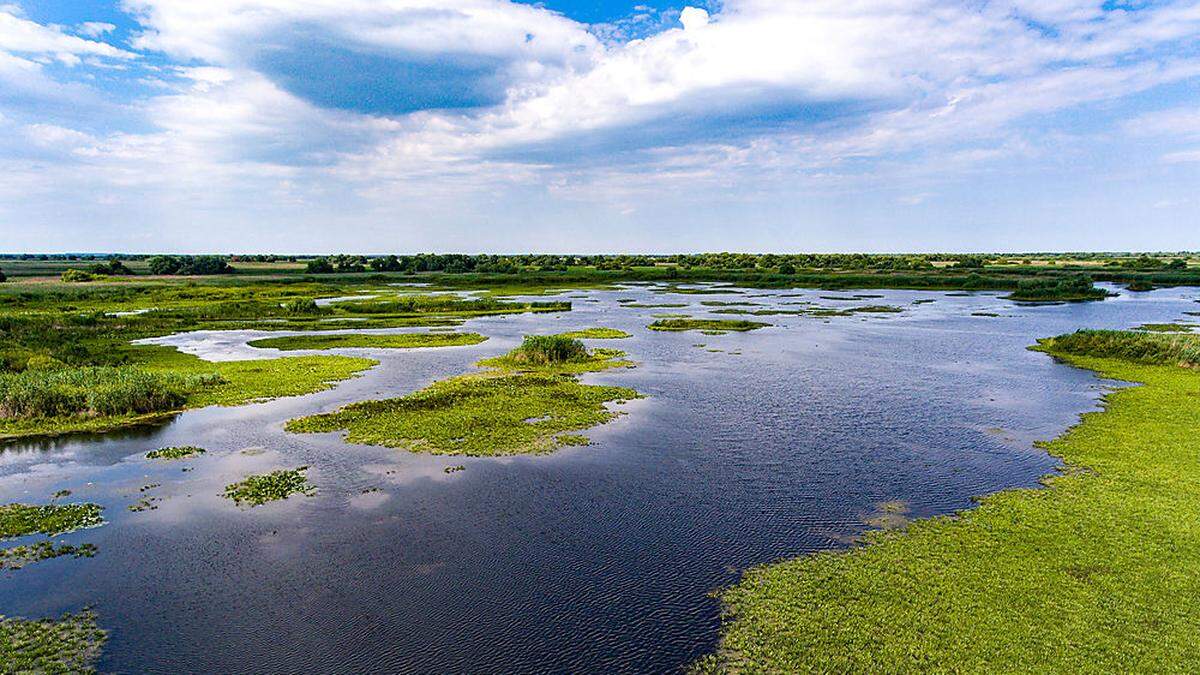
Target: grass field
1097 572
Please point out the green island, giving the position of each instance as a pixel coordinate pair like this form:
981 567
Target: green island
370 341
70 644
710 325
596 334
18 520
259 489
525 403
175 452
1095 572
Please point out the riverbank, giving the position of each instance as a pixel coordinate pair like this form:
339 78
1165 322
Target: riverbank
1097 572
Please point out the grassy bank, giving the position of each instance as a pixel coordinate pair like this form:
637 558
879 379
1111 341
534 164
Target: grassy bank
369 341
527 403
164 382
1098 572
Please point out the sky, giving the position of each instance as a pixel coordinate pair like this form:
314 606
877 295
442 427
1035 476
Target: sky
599 126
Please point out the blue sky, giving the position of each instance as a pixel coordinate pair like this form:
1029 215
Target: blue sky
599 125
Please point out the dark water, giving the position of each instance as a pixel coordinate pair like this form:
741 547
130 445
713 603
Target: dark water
595 559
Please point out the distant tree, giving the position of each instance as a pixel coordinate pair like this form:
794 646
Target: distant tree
787 268
113 267
164 264
2 277
1177 264
973 262
319 266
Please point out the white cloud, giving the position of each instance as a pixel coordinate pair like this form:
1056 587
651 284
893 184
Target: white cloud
22 36
94 29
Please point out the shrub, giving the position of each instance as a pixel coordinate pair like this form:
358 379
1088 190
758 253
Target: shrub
2 277
303 307
74 276
542 350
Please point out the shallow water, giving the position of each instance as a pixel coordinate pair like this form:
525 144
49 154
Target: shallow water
594 559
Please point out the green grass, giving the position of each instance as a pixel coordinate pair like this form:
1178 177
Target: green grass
527 404
1167 327
18 520
1144 348
70 644
175 452
721 325
596 334
373 341
259 489
1097 572
194 382
95 392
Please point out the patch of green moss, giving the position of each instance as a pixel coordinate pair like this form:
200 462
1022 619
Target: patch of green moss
596 334
259 489
1098 572
367 340
70 644
175 452
721 325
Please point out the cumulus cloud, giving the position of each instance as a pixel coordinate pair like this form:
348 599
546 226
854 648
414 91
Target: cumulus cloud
451 97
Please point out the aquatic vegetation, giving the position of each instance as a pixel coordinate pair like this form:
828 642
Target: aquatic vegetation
721 325
1167 327
662 305
145 504
94 391
764 312
596 334
670 316
720 303
175 452
18 557
875 309
18 520
70 644
1074 288
1145 348
259 489
524 405
454 469
369 340
985 314
1066 577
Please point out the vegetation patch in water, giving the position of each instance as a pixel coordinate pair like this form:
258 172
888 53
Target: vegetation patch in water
525 405
1061 579
721 325
368 340
17 520
259 489
175 452
70 644
596 334
19 556
1167 327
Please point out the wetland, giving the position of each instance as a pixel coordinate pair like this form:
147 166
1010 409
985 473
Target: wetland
593 498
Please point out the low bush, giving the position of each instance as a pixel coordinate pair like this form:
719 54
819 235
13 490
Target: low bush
542 350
